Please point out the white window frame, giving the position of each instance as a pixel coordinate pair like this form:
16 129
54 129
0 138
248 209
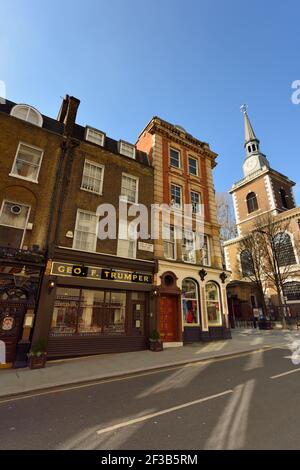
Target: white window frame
191 325
90 162
173 243
12 226
137 188
15 160
199 203
193 240
181 197
197 165
89 129
76 224
179 158
220 322
208 251
29 109
122 144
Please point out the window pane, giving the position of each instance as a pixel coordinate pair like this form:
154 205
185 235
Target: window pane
127 149
92 177
129 188
91 312
11 218
27 162
94 136
175 158
193 166
85 236
213 304
126 248
64 319
176 196
114 321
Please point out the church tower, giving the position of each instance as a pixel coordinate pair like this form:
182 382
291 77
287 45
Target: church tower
262 189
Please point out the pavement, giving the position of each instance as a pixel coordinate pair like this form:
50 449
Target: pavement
62 373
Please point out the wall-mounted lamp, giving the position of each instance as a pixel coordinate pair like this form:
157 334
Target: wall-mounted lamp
51 285
21 277
223 277
155 293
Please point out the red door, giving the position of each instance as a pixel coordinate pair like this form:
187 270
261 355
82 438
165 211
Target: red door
168 318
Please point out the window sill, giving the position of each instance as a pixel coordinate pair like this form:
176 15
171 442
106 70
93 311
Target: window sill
23 178
92 192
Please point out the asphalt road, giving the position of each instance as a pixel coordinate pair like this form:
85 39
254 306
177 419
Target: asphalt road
224 404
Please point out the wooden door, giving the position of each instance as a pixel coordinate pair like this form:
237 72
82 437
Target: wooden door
168 318
11 320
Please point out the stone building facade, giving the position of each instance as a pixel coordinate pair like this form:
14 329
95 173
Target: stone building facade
261 191
190 282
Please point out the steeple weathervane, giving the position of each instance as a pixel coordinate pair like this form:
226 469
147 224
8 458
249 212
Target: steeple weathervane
244 108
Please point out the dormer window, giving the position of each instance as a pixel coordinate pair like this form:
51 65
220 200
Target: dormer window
27 113
94 136
127 149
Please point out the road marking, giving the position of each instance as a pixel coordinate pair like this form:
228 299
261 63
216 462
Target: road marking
285 373
159 413
133 375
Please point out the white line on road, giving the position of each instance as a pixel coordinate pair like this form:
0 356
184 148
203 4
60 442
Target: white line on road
285 373
163 412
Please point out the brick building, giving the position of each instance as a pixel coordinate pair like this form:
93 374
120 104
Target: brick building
30 149
190 282
262 190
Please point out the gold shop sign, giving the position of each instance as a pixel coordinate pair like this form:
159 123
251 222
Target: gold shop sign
92 272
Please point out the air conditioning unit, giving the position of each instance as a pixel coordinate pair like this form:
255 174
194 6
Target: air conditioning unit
16 209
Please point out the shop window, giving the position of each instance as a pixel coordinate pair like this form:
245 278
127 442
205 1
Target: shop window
213 304
85 236
27 163
169 242
88 312
252 204
92 177
13 222
126 248
190 302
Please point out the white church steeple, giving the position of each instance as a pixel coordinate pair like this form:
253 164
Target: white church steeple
255 160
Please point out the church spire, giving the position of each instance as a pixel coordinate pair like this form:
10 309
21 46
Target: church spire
255 160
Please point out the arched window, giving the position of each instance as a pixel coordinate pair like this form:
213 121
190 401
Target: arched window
284 200
246 263
253 148
190 303
27 113
292 290
252 202
213 304
284 249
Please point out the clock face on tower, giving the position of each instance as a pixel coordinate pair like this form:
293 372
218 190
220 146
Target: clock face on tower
250 164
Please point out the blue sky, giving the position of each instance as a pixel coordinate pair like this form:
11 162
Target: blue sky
192 62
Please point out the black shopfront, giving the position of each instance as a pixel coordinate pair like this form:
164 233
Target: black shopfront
96 308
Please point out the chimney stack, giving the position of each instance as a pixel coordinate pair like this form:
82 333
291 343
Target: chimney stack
67 113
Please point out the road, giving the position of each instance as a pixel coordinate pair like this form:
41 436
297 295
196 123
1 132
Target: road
246 402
